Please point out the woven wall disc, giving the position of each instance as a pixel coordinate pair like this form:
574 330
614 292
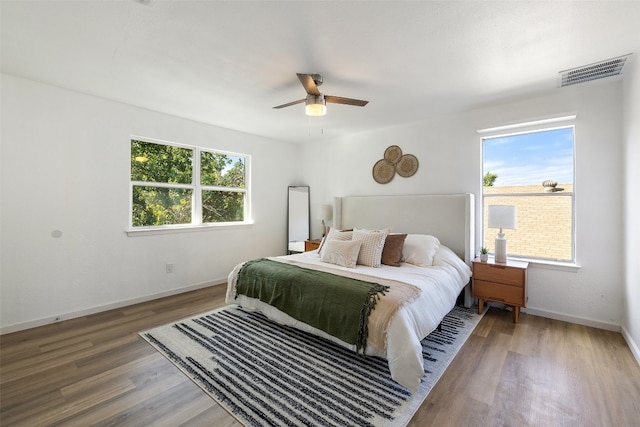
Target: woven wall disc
383 171
392 154
407 166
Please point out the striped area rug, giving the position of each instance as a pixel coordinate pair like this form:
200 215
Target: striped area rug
266 374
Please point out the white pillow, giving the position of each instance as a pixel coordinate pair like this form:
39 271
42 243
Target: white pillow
334 234
372 246
419 249
344 253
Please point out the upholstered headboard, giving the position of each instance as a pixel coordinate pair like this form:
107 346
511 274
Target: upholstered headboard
449 217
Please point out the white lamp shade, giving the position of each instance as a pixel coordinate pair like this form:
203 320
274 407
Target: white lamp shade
502 216
326 212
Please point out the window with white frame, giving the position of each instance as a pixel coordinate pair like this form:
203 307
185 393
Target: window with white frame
534 171
178 185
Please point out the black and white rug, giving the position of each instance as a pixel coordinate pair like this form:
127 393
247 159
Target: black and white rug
266 374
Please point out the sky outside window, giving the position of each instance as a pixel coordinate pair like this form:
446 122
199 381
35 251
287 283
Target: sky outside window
530 158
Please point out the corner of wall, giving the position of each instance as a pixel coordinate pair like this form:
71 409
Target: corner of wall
631 208
633 346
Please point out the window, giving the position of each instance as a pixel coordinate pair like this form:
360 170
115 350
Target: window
176 185
533 171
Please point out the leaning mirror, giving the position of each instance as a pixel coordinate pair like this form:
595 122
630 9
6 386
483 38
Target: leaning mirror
298 218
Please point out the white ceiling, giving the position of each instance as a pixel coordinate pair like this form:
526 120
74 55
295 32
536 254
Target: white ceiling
228 63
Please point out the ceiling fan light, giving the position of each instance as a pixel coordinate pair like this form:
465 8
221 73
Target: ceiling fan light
315 105
315 110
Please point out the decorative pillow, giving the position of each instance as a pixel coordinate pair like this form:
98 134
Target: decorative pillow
334 234
392 250
344 253
372 245
419 249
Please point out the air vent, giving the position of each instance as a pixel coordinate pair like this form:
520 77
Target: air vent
599 70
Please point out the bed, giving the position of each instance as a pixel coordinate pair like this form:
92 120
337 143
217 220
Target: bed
442 223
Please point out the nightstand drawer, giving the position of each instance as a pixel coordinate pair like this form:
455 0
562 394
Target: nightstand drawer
499 273
498 292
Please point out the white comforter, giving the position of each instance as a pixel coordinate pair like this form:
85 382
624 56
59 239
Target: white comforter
439 284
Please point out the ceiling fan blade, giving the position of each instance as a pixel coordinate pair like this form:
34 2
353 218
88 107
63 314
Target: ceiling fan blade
348 101
308 83
291 103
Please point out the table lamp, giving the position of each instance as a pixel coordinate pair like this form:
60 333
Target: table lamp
502 217
326 212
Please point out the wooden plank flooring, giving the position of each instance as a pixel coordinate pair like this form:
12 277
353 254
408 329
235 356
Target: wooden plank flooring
96 370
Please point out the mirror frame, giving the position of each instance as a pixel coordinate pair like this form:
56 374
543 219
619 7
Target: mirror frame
297 217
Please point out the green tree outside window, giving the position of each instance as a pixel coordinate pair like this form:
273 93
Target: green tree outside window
164 191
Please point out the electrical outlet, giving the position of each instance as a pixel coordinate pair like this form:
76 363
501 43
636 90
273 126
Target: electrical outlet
169 268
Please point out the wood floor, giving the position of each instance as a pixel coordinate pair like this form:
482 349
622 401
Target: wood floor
96 370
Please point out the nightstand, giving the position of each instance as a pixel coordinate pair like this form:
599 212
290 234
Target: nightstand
500 282
311 244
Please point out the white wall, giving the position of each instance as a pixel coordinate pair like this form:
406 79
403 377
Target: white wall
344 167
65 166
448 149
631 322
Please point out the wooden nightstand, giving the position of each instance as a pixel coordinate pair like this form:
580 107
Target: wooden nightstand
311 244
501 282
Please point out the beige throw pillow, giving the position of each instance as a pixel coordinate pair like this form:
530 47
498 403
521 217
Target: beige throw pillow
334 234
372 245
344 253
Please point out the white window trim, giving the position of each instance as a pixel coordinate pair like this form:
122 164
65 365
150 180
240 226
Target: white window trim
196 220
525 127
186 228
540 125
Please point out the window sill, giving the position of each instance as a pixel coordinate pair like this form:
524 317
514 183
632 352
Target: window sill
550 265
154 231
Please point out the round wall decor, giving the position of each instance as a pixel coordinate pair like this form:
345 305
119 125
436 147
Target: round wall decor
394 162
407 166
393 154
383 171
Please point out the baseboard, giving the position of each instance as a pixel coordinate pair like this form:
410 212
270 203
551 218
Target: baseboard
573 319
98 309
633 346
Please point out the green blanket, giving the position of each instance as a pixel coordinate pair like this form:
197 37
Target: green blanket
334 304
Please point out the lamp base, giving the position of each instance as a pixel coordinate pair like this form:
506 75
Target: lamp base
501 249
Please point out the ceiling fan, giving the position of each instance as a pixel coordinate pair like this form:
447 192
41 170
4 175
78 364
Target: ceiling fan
316 101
